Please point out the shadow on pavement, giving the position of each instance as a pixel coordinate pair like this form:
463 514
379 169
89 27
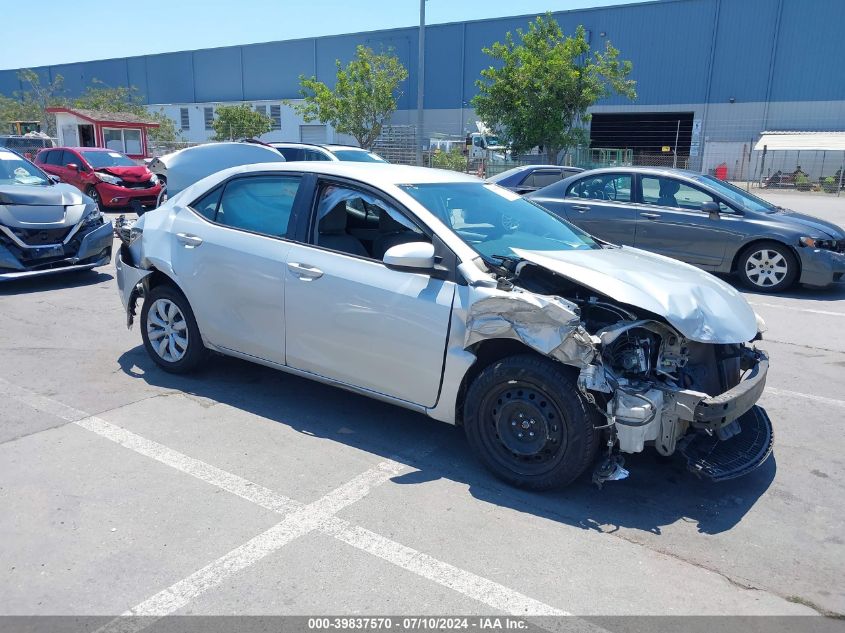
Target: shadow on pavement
658 493
834 292
54 281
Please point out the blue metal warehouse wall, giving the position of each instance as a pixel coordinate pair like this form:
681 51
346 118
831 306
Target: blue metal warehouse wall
684 52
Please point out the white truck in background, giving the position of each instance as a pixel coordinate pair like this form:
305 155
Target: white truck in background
480 145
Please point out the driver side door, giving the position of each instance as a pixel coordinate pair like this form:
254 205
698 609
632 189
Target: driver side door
352 319
673 224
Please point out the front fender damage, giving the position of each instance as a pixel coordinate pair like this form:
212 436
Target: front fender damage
652 385
549 325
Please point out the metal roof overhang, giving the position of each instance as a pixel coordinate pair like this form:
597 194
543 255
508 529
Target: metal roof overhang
793 141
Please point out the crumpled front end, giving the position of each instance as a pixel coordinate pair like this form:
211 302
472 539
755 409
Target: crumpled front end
36 249
651 385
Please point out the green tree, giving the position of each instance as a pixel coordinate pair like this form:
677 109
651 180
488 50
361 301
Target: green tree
539 91
454 159
37 97
363 99
239 121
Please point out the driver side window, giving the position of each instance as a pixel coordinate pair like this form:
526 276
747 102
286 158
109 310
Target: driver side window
669 192
358 223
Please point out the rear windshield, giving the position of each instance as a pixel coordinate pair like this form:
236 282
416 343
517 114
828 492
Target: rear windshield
98 160
357 156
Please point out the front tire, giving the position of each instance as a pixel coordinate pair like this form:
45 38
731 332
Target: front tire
768 267
92 193
526 421
169 330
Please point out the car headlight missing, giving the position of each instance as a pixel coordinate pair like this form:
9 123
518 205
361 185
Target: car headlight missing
826 244
112 180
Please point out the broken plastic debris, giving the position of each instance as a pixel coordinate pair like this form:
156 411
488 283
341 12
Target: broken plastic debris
610 469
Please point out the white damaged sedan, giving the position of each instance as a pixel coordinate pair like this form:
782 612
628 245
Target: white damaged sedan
457 298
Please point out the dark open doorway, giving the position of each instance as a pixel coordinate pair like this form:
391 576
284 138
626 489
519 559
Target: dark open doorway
86 136
646 133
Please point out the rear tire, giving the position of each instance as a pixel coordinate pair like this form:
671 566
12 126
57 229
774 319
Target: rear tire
169 330
767 267
527 422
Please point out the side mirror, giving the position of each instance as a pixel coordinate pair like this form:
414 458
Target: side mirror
412 257
712 208
72 166
54 178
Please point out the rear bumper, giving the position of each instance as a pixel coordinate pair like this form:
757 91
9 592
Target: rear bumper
115 196
715 412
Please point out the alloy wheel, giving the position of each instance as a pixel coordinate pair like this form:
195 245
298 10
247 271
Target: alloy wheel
167 330
766 268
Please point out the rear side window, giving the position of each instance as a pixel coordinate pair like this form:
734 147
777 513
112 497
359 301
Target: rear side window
291 153
611 187
260 204
542 178
207 205
312 154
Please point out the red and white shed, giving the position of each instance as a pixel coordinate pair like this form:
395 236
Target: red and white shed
121 131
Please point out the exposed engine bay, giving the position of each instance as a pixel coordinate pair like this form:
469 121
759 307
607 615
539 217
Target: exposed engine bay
653 386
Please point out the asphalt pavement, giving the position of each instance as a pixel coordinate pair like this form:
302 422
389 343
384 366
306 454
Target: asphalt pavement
243 490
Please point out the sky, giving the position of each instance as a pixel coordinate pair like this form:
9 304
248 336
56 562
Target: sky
178 25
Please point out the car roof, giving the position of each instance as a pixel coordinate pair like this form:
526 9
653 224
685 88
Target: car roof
655 171
382 173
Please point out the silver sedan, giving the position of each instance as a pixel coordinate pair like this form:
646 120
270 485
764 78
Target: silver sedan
459 299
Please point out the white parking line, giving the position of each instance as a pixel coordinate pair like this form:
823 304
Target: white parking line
807 396
796 309
464 582
300 519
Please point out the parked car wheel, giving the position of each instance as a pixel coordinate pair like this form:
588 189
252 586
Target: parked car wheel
527 422
170 332
768 267
92 193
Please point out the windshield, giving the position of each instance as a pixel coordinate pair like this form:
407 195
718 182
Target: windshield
495 221
737 195
357 156
14 170
98 160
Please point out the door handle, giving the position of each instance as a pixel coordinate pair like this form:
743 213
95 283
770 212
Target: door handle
580 207
190 241
650 216
304 271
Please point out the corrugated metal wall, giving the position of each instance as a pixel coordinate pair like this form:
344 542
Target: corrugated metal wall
684 51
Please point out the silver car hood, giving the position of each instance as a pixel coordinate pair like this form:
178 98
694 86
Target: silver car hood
700 306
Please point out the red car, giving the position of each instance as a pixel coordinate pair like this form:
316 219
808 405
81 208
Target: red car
112 179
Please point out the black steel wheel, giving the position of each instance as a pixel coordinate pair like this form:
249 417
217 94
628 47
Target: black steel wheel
527 422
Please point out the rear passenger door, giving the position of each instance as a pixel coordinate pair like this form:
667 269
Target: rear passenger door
228 253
